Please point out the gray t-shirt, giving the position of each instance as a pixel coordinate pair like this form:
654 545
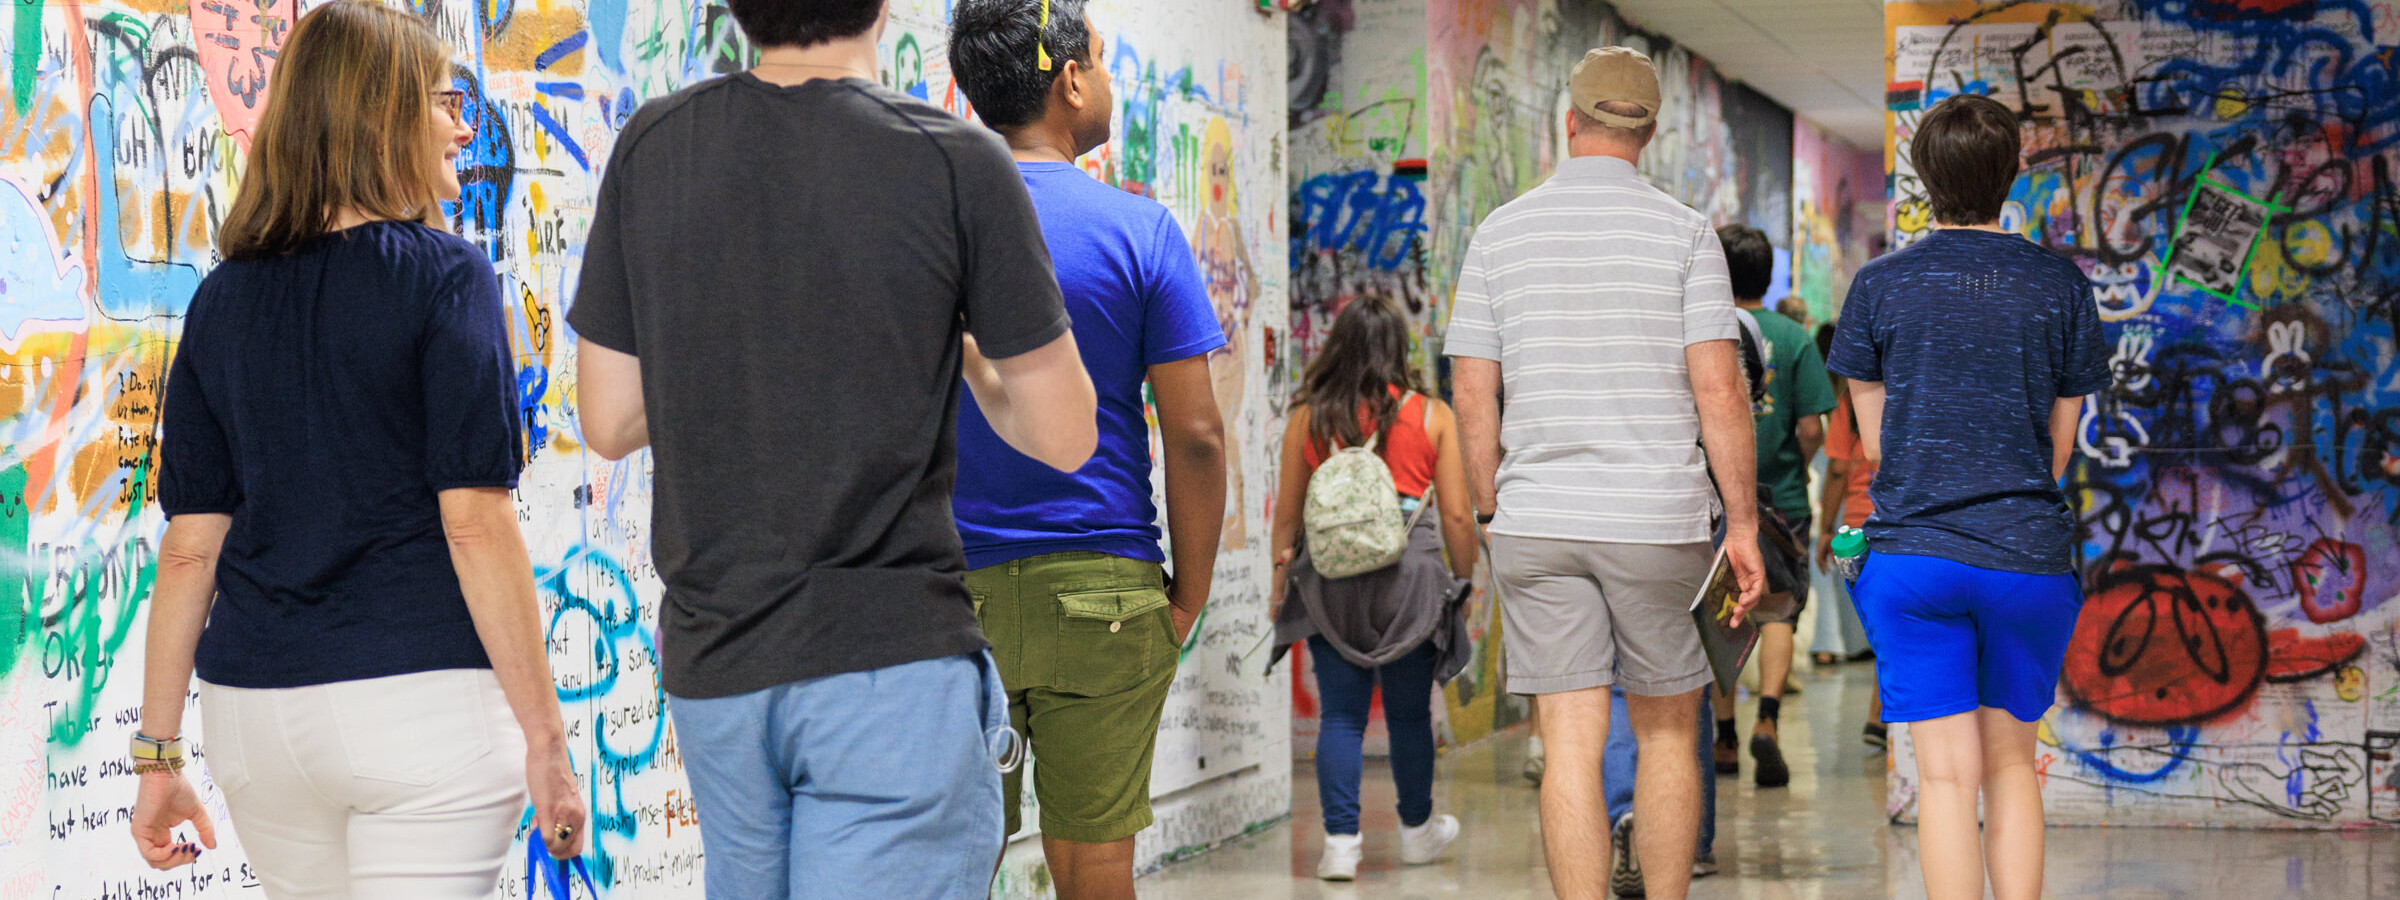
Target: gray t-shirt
793 266
1586 290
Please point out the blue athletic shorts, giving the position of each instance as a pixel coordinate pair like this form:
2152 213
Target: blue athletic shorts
1950 637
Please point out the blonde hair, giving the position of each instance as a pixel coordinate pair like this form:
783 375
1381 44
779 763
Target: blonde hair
344 127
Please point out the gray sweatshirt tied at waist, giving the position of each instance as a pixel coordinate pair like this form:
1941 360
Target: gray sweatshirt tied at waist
1377 617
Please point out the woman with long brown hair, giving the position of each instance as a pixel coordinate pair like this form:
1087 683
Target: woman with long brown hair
342 567
1400 625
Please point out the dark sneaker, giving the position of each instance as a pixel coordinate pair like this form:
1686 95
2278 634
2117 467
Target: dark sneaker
1772 773
1877 735
1624 869
1729 756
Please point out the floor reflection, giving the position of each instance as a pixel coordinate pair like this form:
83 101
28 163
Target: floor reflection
1822 838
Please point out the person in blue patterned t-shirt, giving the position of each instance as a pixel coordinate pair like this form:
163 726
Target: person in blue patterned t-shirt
1969 355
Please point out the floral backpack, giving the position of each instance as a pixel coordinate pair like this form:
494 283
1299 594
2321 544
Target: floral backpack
1352 513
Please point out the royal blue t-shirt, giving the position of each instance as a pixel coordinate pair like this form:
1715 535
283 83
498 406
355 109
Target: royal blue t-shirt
324 398
1134 292
1974 334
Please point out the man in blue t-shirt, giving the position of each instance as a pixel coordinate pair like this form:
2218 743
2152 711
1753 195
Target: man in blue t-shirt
1969 355
1067 571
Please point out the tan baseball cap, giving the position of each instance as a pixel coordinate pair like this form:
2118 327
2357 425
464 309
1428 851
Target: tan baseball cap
1615 73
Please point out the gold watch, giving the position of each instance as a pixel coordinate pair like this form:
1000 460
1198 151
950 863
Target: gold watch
153 755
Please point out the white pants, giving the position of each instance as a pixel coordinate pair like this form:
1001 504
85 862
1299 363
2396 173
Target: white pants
402 788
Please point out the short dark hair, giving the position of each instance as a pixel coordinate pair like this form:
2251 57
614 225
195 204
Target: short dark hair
995 51
804 23
1749 258
1965 150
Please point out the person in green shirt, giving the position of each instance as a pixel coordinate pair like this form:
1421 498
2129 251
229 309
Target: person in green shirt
1790 427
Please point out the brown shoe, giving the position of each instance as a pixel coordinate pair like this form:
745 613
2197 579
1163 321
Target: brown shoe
1772 772
1729 756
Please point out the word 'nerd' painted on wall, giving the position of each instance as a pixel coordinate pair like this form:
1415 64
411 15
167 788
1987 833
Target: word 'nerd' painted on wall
2228 175
124 127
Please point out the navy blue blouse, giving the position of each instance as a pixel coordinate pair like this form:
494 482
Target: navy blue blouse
323 398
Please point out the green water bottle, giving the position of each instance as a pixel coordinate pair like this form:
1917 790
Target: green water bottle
1849 554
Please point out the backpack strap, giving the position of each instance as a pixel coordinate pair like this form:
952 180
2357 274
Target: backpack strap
1422 504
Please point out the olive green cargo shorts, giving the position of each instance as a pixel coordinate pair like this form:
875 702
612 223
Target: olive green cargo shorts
1086 649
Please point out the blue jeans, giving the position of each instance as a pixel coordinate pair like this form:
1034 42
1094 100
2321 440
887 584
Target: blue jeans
1344 692
1618 759
862 785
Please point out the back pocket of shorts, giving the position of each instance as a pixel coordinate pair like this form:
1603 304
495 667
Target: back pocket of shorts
1111 640
413 729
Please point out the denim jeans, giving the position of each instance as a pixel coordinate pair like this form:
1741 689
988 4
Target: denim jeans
1618 759
859 786
1344 692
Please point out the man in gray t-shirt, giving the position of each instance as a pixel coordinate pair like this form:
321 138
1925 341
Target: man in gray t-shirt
781 268
1604 307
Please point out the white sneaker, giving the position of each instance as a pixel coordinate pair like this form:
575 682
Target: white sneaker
1342 852
1424 843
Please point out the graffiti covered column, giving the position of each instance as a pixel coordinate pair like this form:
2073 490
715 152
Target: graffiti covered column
1837 216
2225 172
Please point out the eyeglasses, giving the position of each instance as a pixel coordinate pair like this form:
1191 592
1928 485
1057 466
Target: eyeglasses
453 102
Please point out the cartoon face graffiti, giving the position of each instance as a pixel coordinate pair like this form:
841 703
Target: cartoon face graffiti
238 41
2161 646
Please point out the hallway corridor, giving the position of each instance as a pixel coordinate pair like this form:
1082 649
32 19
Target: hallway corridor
1823 838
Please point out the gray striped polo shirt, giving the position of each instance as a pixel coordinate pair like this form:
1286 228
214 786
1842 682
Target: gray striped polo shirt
1586 290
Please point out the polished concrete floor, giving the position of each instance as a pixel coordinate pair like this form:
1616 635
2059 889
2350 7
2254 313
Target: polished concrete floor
1822 838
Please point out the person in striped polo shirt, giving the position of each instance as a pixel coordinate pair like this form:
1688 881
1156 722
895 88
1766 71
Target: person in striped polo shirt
1604 309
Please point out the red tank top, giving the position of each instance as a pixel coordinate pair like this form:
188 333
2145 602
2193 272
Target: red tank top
1407 449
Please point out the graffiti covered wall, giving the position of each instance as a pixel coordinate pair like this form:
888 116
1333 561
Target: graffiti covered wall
123 125
1837 216
2228 174
1358 162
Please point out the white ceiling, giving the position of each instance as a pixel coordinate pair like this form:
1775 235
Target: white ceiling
1822 58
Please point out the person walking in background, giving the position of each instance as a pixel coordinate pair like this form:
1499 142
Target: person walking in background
1065 566
1620 760
1843 503
1401 625
1790 428
781 265
342 566
1969 355
1604 307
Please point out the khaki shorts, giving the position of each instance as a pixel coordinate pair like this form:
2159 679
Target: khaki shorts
1086 649
1585 614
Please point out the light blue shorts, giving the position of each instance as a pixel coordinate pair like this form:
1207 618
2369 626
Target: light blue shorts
1950 637
859 786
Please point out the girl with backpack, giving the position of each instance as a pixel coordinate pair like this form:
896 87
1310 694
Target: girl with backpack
1365 452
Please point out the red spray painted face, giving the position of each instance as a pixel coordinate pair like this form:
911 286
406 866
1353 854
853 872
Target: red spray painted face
2159 646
